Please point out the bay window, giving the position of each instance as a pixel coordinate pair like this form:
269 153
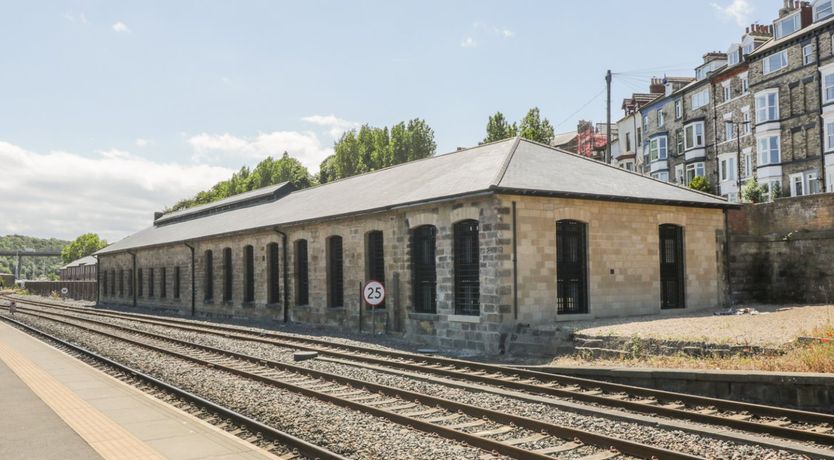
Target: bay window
694 135
767 106
700 99
658 148
694 170
775 62
787 26
728 169
769 150
822 10
828 88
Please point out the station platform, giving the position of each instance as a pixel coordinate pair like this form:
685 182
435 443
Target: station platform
54 406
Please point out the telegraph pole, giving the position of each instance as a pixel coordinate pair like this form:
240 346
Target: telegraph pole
608 117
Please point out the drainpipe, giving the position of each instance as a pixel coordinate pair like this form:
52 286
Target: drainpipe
193 286
98 278
727 257
515 265
821 178
133 281
286 276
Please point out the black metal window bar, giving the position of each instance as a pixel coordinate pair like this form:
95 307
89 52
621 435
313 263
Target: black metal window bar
571 267
150 282
467 268
227 274
140 283
121 282
424 268
104 282
113 283
208 285
302 275
335 272
177 282
130 282
376 259
248 273
671 266
272 273
163 282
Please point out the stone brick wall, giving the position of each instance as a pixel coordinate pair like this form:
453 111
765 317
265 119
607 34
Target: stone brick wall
622 237
782 252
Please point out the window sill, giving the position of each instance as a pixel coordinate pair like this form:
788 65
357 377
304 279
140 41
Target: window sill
273 305
573 316
423 316
464 318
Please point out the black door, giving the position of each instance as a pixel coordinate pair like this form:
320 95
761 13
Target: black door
571 267
671 266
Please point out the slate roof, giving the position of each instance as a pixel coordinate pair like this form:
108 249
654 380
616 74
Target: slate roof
510 166
257 195
773 42
88 260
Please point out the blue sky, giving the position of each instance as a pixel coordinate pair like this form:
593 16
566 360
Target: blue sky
111 110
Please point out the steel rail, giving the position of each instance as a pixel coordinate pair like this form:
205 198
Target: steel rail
588 438
462 367
299 445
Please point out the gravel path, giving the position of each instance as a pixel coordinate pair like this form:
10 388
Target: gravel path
771 327
675 440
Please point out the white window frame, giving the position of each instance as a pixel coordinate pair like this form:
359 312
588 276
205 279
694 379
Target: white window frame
729 130
734 55
779 27
829 135
827 76
661 119
775 62
661 175
728 91
697 169
746 122
658 148
807 54
699 99
679 176
821 3
727 169
812 183
797 184
767 195
745 85
696 133
678 109
765 149
746 164
767 105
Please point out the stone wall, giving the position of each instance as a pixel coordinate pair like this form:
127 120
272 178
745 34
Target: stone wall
782 252
78 290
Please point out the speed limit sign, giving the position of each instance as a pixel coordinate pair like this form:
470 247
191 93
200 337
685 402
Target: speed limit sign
373 293
64 291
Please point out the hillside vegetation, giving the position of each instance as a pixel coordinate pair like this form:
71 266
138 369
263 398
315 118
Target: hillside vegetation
32 267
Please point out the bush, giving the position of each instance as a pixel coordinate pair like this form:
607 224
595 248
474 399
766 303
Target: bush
700 183
751 191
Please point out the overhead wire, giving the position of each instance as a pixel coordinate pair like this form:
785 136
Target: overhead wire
595 97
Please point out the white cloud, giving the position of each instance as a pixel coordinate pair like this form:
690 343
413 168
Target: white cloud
143 142
304 146
336 126
739 10
113 193
468 42
506 33
77 18
120 26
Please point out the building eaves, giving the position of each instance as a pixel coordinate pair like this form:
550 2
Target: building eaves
774 45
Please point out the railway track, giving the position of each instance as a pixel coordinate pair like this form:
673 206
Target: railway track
756 418
280 443
501 433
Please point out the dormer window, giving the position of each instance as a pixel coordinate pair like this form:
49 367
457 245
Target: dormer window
734 55
787 26
822 10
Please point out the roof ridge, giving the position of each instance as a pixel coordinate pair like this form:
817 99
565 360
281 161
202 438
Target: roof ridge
506 164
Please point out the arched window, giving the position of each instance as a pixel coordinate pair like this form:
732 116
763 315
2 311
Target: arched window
467 268
177 282
121 282
302 275
571 267
272 273
130 282
227 274
248 273
424 268
672 293
208 284
104 283
375 258
335 272
113 283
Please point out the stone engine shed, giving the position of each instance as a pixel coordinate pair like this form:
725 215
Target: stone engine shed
469 245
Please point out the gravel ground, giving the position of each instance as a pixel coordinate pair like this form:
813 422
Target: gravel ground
341 430
770 328
675 440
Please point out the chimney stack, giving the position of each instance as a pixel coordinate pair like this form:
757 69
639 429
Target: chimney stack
656 86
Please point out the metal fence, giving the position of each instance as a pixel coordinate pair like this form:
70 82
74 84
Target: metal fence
79 290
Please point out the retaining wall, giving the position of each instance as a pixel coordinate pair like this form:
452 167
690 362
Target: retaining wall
805 391
782 252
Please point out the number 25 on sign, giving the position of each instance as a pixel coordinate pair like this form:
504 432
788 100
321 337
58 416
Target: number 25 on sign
374 293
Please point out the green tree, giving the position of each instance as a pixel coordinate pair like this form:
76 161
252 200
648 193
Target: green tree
421 140
533 127
327 170
399 144
701 184
498 128
83 246
751 192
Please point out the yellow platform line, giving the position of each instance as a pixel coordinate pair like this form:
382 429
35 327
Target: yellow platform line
107 437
